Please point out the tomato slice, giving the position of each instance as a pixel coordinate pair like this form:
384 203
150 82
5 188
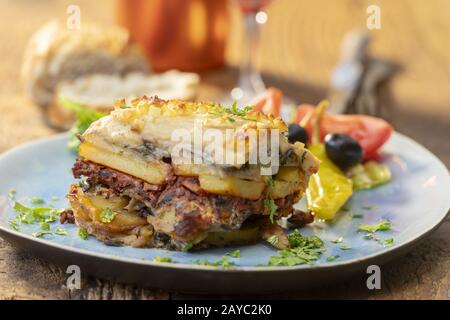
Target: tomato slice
370 132
268 102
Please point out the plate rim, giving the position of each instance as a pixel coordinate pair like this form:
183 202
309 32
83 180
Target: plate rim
235 269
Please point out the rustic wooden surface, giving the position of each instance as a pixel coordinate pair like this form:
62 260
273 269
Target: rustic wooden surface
299 50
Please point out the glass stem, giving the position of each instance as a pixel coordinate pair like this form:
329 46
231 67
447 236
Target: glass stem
249 78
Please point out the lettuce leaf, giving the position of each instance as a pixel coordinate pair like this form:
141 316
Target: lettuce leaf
84 117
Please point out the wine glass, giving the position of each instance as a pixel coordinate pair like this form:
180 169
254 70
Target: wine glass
250 82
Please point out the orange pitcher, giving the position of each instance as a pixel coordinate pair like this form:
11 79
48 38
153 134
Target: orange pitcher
188 35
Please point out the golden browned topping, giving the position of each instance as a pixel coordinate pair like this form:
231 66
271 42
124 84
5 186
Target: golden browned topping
212 114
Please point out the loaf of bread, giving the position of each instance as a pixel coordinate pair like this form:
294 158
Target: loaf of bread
99 91
56 54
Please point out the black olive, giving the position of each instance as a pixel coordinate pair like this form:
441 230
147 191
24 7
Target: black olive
297 133
343 150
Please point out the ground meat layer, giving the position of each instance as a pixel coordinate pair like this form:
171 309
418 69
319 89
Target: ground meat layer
179 209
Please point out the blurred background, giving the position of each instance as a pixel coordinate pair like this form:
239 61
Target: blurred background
304 50
300 47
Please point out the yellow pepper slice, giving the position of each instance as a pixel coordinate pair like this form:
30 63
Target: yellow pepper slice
329 189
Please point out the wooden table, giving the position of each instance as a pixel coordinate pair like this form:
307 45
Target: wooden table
299 50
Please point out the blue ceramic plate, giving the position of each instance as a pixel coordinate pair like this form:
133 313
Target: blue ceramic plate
415 201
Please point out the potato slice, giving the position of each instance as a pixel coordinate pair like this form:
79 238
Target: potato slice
116 204
152 172
126 228
288 174
231 186
252 173
84 206
281 189
113 203
125 218
192 170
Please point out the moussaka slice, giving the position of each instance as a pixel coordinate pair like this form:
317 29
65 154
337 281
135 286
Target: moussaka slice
177 175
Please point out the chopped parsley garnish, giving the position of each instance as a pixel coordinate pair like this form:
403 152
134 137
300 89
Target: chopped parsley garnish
297 240
382 225
187 246
357 216
338 240
37 214
40 234
234 110
240 112
107 215
14 224
332 258
36 200
234 254
372 236
83 234
44 225
54 198
42 216
162 259
223 262
61 232
344 247
270 205
303 250
25 215
368 207
203 262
